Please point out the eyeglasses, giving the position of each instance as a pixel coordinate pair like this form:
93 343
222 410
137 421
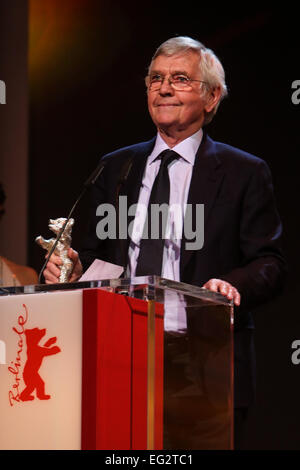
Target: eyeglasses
177 81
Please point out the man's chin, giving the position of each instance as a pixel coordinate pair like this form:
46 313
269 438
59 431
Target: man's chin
167 124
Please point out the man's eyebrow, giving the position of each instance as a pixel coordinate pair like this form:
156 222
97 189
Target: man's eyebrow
180 72
174 72
155 71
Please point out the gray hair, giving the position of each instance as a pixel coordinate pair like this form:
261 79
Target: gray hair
211 69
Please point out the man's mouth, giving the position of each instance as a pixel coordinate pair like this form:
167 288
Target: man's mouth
162 105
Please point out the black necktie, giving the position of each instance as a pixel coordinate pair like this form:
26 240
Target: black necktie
151 249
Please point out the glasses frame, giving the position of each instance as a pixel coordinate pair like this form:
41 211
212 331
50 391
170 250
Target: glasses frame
171 83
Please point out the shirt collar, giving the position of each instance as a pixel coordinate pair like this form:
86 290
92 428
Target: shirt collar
187 149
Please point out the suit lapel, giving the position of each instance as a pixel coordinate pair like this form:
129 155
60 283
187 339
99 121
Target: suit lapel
206 179
133 184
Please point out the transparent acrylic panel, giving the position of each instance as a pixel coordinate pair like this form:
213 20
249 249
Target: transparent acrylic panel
198 357
198 380
147 287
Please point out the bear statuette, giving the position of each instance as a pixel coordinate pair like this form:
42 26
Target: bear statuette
62 248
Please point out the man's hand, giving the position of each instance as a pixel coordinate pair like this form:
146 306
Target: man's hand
52 271
226 289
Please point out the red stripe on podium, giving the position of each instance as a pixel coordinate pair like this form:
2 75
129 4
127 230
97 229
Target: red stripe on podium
114 372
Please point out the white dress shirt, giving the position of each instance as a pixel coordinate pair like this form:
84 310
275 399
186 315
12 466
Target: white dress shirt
180 174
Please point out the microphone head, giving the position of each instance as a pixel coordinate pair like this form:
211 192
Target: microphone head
95 174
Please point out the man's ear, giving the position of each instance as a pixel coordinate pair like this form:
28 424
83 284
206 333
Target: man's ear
212 99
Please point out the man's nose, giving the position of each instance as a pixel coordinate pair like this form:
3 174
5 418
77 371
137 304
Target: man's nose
166 87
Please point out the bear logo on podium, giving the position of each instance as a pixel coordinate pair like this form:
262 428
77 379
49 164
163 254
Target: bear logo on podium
35 356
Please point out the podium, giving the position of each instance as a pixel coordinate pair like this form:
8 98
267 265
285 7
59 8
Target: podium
142 363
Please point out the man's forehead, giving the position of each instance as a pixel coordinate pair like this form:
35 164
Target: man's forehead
182 61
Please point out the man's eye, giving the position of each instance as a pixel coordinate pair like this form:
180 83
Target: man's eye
156 78
181 79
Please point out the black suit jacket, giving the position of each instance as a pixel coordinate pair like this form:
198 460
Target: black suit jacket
242 232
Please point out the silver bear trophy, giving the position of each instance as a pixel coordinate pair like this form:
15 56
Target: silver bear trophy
62 248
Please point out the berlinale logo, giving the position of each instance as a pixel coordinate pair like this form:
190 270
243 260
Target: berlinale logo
2 92
35 355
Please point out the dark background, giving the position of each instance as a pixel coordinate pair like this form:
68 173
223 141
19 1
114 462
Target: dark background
87 97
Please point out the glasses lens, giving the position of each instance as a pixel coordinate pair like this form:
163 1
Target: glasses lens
155 85
180 85
178 82
154 82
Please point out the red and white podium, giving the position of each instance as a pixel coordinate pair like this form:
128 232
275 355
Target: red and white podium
102 365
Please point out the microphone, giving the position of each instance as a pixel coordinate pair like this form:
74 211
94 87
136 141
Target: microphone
95 174
88 183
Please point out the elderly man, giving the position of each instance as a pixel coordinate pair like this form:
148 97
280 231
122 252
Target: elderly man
241 257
